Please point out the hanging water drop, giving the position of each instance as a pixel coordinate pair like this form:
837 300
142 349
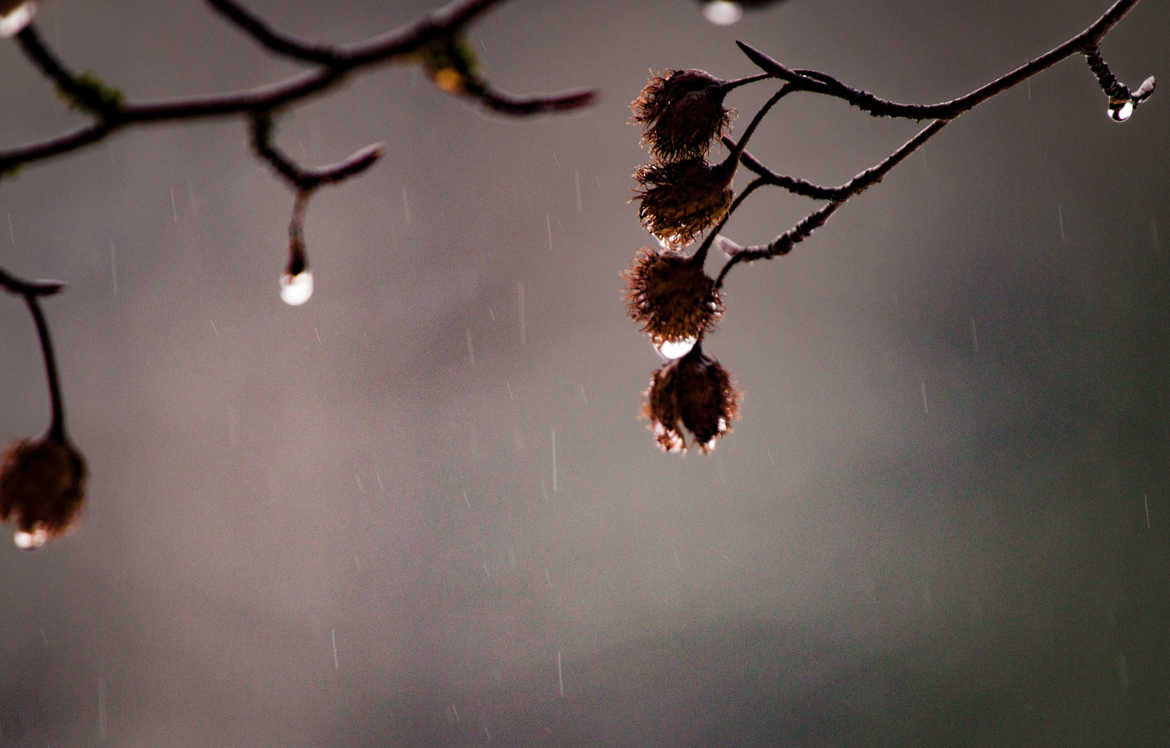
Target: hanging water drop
30 541
722 12
296 289
672 349
1120 109
15 15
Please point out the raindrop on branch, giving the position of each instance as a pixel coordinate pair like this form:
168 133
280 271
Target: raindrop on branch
30 541
672 349
1120 109
296 289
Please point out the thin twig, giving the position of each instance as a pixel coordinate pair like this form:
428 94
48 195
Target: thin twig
393 45
792 184
1085 43
700 255
22 287
57 424
68 82
275 41
302 179
783 244
823 84
506 103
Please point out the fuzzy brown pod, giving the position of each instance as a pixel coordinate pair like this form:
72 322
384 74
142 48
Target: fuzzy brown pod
696 393
681 199
670 296
42 488
681 113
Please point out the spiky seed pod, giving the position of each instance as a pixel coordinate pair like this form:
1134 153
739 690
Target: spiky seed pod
680 199
697 391
681 113
670 296
42 488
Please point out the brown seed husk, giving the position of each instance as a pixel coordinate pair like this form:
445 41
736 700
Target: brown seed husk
697 391
42 485
681 113
681 199
670 296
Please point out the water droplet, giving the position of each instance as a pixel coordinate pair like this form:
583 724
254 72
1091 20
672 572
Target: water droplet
296 289
30 541
1120 109
672 349
722 12
14 17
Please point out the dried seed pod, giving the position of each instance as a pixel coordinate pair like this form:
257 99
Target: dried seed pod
670 296
681 113
696 391
42 488
680 199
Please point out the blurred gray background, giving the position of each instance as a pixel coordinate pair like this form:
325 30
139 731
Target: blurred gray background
422 509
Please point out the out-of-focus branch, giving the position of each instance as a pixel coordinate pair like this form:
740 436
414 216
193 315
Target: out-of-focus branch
276 42
334 64
22 287
302 179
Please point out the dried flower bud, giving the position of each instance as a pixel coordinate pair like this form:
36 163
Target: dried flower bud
42 488
680 199
681 113
699 392
670 296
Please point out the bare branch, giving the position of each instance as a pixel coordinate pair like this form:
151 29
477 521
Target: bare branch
823 84
22 287
301 179
273 40
334 66
504 103
783 244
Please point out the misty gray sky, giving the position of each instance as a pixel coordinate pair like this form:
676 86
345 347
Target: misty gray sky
422 508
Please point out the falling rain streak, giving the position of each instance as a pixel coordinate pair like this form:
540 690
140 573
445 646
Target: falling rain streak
925 405
405 207
174 208
560 675
1146 501
1060 220
548 227
12 234
577 184
470 346
333 640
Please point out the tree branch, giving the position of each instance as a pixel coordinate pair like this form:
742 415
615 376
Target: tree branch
784 243
335 63
829 86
